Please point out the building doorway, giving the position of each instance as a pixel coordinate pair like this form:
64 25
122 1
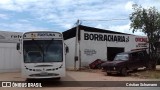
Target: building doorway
112 51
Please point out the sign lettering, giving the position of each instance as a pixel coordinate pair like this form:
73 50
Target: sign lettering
111 38
45 34
89 52
141 39
16 36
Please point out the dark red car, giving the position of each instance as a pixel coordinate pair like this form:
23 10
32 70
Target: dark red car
126 61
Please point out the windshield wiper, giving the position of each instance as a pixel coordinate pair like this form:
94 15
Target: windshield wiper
118 60
41 49
49 44
38 45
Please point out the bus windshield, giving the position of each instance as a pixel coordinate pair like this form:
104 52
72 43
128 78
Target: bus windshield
37 51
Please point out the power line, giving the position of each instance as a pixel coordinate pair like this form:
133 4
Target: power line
79 22
104 19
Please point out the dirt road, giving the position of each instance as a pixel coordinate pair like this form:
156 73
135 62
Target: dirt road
74 76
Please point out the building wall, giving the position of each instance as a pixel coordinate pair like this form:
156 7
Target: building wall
9 58
90 50
70 55
97 48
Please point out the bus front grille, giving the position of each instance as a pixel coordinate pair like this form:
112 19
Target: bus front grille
42 75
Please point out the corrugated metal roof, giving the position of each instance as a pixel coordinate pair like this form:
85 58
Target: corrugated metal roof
72 32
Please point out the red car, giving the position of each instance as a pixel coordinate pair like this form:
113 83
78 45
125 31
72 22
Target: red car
126 61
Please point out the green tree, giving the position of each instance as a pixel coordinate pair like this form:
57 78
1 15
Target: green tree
147 21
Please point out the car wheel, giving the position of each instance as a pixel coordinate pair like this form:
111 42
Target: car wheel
109 74
124 72
149 66
135 69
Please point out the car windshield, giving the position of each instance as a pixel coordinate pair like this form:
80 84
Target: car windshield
121 57
36 51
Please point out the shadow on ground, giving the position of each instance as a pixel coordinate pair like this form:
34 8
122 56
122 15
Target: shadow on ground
141 73
55 82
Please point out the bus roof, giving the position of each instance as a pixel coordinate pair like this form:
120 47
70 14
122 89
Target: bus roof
41 32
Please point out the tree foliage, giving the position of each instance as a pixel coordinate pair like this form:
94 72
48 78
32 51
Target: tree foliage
147 21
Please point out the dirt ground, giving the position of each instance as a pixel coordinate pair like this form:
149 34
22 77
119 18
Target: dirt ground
95 75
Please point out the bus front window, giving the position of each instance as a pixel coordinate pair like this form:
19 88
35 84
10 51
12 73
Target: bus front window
37 51
34 56
54 52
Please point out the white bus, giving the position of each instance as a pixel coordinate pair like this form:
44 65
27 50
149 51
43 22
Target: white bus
43 55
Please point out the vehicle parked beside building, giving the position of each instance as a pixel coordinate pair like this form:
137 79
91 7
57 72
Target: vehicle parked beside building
127 61
43 55
157 46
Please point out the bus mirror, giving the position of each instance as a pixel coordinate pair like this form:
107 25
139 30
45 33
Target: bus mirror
67 49
18 46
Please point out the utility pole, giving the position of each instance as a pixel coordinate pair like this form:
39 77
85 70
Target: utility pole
76 43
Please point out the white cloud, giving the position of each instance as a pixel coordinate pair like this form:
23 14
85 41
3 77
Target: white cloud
24 21
21 27
64 13
4 16
99 26
125 29
128 5
5 1
121 28
68 26
8 5
60 11
83 10
17 5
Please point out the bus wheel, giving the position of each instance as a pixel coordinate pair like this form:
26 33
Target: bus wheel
28 80
58 78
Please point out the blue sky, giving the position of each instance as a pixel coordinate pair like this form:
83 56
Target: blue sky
61 15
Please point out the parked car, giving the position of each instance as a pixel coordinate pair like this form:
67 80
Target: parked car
126 61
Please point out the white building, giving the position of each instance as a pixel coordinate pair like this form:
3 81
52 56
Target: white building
9 56
93 43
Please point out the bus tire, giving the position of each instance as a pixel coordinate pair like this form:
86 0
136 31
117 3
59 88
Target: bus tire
58 78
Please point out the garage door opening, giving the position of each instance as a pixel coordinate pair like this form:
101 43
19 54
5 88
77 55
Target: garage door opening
112 51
